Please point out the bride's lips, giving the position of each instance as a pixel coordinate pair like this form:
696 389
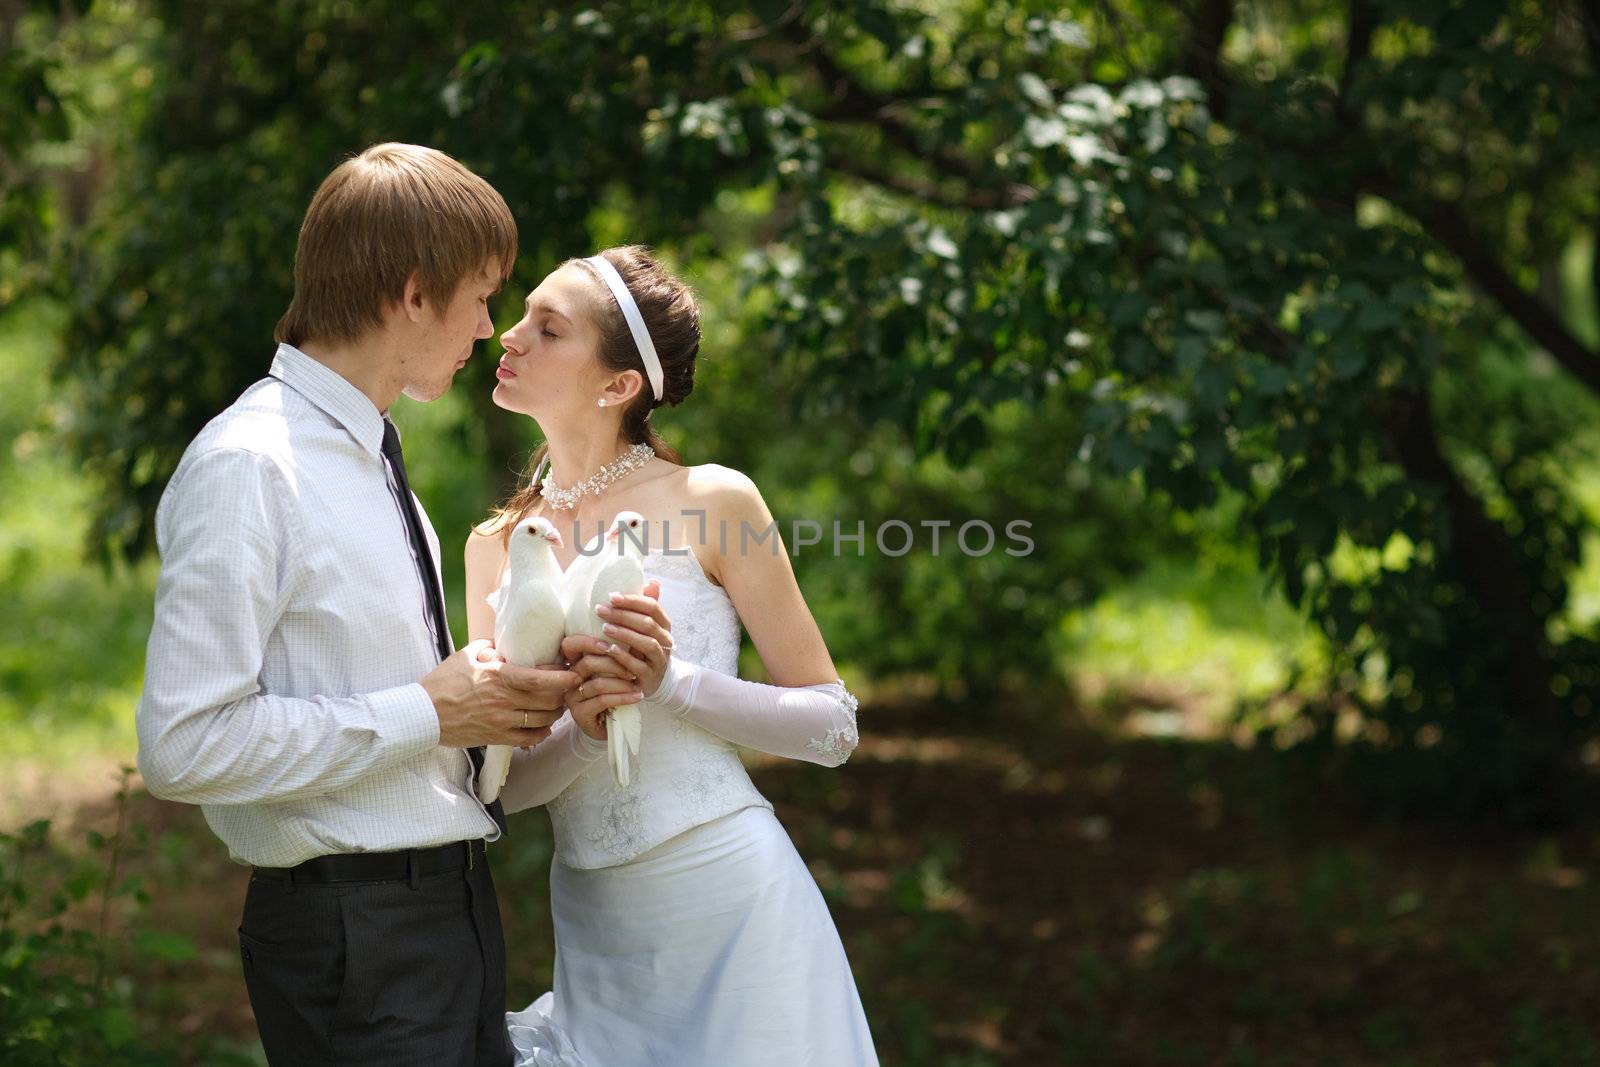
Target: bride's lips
504 372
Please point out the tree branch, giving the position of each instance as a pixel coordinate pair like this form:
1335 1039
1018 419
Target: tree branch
922 189
1447 225
856 102
1589 16
1202 53
1358 45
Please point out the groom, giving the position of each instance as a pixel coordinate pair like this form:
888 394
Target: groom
301 685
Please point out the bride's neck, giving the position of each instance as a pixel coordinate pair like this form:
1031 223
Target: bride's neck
577 454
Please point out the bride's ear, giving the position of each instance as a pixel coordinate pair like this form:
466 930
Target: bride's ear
624 387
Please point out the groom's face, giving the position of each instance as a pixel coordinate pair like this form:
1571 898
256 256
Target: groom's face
446 335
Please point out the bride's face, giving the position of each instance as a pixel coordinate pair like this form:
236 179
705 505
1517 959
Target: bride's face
551 362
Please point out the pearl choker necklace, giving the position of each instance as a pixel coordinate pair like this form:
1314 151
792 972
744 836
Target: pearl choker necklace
567 499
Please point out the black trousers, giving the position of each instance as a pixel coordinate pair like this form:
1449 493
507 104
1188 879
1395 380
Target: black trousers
378 972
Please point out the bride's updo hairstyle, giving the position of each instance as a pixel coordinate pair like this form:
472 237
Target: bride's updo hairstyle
673 319
670 313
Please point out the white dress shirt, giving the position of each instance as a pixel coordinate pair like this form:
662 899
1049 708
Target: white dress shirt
290 632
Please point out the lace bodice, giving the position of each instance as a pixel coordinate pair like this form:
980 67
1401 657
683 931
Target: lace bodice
684 776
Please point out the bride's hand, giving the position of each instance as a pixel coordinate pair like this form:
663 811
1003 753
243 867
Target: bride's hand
594 698
640 635
605 684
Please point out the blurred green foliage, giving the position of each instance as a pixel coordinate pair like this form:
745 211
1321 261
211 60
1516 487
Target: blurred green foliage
1277 321
72 638
65 999
1326 267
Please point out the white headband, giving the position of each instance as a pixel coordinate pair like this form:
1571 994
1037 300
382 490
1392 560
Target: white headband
630 311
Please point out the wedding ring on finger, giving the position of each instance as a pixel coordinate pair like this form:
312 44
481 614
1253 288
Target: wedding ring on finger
524 720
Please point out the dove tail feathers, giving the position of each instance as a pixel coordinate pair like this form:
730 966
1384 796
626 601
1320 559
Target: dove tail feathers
622 742
492 775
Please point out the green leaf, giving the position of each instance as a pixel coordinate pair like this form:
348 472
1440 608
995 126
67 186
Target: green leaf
1375 316
1349 357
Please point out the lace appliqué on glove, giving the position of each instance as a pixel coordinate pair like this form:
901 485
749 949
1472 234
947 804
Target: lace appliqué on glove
836 745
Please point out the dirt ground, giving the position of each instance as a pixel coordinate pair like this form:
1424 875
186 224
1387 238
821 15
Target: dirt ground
1011 895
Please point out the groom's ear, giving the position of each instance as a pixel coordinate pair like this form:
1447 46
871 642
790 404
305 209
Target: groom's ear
411 299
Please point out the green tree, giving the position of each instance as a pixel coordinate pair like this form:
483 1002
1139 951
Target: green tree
1297 254
31 116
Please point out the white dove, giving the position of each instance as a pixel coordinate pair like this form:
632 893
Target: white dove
590 582
529 622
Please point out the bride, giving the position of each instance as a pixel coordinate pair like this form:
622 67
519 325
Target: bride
688 930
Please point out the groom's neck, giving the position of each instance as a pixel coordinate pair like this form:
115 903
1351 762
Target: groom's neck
368 364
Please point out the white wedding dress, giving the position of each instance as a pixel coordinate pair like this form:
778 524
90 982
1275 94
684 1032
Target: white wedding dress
689 932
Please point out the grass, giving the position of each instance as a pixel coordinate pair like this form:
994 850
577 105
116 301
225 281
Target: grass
72 636
1204 635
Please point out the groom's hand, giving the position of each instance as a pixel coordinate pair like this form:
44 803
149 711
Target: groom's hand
486 701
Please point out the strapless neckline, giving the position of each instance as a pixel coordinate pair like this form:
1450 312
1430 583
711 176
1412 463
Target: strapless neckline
693 560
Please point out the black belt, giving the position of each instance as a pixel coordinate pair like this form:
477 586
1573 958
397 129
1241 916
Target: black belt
405 865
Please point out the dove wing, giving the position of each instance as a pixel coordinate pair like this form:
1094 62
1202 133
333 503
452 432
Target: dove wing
528 626
529 631
579 582
497 599
620 574
617 574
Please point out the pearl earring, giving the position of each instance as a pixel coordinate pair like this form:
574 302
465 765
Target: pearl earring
601 401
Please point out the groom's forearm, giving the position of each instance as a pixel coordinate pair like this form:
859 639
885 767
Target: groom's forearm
207 732
262 748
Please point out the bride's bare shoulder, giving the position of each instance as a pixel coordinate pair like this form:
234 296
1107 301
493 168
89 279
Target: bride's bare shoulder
731 501
726 498
714 477
486 545
721 491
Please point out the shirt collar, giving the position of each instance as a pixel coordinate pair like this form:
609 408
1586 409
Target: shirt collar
332 392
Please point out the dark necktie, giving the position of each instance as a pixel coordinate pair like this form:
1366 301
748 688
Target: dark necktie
430 583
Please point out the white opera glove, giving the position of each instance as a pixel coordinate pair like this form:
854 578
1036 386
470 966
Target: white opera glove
538 775
816 723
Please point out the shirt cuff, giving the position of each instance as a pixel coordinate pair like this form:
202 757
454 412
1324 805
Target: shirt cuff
406 718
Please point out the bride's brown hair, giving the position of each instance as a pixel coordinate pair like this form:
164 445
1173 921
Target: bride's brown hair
673 318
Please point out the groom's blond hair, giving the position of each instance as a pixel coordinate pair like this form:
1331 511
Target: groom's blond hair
393 210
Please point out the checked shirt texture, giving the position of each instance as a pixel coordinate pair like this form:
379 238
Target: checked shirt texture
291 629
